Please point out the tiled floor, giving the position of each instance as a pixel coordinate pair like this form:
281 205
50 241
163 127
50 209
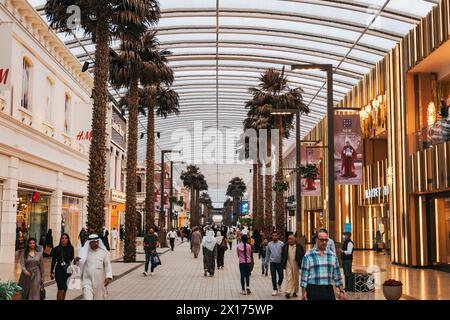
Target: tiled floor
181 277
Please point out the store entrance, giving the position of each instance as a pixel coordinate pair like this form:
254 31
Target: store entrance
438 230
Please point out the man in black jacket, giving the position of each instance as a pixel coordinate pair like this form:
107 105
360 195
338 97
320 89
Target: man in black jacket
291 261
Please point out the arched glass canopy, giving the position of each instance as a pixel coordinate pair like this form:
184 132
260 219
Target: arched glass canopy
251 36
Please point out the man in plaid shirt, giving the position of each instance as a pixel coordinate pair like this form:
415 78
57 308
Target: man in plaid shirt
320 268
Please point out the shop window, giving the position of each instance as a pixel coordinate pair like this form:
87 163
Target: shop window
49 100
26 84
72 209
32 216
67 110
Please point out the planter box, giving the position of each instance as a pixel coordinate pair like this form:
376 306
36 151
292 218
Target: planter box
392 292
17 296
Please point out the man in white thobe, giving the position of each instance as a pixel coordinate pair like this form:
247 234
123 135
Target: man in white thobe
96 270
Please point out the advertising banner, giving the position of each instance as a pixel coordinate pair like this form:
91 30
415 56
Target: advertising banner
311 177
347 150
157 182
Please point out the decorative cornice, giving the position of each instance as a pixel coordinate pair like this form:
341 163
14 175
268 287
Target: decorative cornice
29 19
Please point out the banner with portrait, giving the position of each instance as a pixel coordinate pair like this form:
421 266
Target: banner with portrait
311 161
347 150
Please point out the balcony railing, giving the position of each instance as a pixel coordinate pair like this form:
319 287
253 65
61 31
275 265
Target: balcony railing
430 136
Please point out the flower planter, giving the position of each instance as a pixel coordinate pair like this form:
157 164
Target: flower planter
392 292
17 296
310 184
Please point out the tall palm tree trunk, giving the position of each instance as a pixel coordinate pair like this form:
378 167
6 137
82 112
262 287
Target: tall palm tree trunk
130 213
255 194
279 197
97 151
268 220
260 220
150 171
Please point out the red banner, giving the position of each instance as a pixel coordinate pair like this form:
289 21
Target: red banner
347 150
311 159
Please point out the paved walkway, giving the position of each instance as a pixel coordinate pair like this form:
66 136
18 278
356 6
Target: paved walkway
180 277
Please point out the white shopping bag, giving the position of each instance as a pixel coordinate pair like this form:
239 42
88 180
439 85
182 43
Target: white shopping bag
74 281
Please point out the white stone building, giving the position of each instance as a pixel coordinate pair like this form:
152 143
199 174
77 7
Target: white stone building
45 113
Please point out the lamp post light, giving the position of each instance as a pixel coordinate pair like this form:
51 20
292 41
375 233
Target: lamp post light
328 68
297 161
162 216
171 191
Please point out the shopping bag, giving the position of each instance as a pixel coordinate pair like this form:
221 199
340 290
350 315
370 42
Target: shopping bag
74 281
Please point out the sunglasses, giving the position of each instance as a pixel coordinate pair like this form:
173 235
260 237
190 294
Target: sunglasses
324 240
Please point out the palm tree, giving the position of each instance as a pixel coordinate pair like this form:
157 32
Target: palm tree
274 94
104 21
227 210
236 189
258 181
195 181
206 201
155 96
135 63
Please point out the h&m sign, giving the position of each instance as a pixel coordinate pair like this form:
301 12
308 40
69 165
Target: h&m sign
4 77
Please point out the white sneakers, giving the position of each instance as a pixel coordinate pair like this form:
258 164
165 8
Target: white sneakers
145 273
151 274
274 292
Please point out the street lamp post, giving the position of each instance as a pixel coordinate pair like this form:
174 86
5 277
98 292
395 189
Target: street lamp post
171 191
162 216
328 68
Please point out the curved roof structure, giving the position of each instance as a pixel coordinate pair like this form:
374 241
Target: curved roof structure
220 47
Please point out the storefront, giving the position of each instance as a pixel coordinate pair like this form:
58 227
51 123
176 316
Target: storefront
72 217
32 215
116 208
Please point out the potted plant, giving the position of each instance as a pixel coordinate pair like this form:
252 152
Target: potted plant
280 186
173 199
10 290
392 289
310 173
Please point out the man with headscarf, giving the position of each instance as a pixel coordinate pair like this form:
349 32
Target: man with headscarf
209 253
196 241
221 248
96 270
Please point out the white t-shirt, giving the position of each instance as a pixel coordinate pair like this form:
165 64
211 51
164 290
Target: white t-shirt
172 234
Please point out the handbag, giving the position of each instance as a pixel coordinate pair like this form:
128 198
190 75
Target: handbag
74 281
42 292
224 245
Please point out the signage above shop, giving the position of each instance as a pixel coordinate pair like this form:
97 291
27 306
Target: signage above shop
377 192
118 128
118 196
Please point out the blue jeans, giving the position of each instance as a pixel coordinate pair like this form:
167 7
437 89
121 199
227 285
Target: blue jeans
147 261
244 269
274 269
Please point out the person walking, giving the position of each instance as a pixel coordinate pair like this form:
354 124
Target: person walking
82 236
122 232
172 236
320 268
262 255
114 238
347 260
105 238
221 248
291 261
230 238
273 257
257 238
96 269
209 253
62 256
244 252
150 244
31 278
196 241
238 236
48 245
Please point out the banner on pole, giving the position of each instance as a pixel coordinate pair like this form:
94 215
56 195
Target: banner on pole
311 160
347 150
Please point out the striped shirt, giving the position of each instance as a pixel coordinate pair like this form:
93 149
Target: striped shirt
320 270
